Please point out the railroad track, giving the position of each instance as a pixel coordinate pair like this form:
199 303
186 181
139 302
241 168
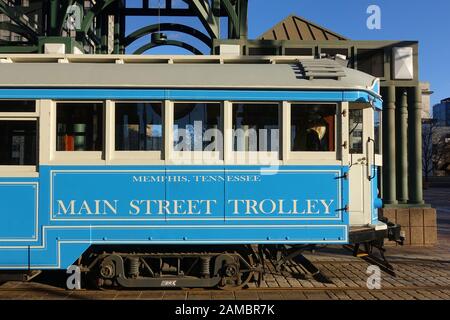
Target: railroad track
34 286
265 289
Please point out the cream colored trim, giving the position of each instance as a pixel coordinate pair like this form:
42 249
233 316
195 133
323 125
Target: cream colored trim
19 171
78 155
309 162
110 136
313 156
137 161
196 158
345 138
379 160
379 157
15 118
255 158
370 131
228 132
168 129
45 130
136 156
286 131
18 115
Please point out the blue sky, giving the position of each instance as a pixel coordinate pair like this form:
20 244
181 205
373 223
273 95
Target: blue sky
424 21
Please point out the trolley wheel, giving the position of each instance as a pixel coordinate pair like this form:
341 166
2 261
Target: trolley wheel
233 277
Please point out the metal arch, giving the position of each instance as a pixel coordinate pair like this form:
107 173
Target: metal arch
63 13
167 27
243 22
8 26
175 43
232 15
202 8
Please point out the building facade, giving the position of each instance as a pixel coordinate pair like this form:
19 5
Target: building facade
441 113
427 113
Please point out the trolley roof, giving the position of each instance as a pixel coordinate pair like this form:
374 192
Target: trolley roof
216 72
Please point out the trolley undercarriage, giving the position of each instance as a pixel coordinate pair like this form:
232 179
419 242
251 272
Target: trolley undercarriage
223 267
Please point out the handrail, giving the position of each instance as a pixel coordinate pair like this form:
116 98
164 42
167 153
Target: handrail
370 175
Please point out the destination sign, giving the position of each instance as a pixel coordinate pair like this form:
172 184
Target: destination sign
125 195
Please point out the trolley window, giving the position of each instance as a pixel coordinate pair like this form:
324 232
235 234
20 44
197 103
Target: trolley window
313 128
256 127
356 131
197 126
139 126
12 106
377 131
18 142
79 126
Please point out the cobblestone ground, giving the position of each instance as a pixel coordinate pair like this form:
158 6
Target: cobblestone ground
421 274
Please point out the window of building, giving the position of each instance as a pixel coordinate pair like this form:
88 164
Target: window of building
298 51
18 142
313 128
356 131
371 61
332 52
197 127
263 51
79 126
256 127
18 106
139 126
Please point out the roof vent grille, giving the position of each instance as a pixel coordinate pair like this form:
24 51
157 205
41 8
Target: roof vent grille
320 69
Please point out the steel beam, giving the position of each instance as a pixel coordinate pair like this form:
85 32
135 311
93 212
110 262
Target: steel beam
53 17
91 14
233 20
206 16
17 49
117 37
19 30
62 14
243 17
18 18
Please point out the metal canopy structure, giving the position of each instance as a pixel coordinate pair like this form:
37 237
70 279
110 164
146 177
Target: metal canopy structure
99 26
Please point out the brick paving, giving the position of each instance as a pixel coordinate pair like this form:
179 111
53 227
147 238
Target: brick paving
421 274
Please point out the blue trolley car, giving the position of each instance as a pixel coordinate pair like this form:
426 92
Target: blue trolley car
183 171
